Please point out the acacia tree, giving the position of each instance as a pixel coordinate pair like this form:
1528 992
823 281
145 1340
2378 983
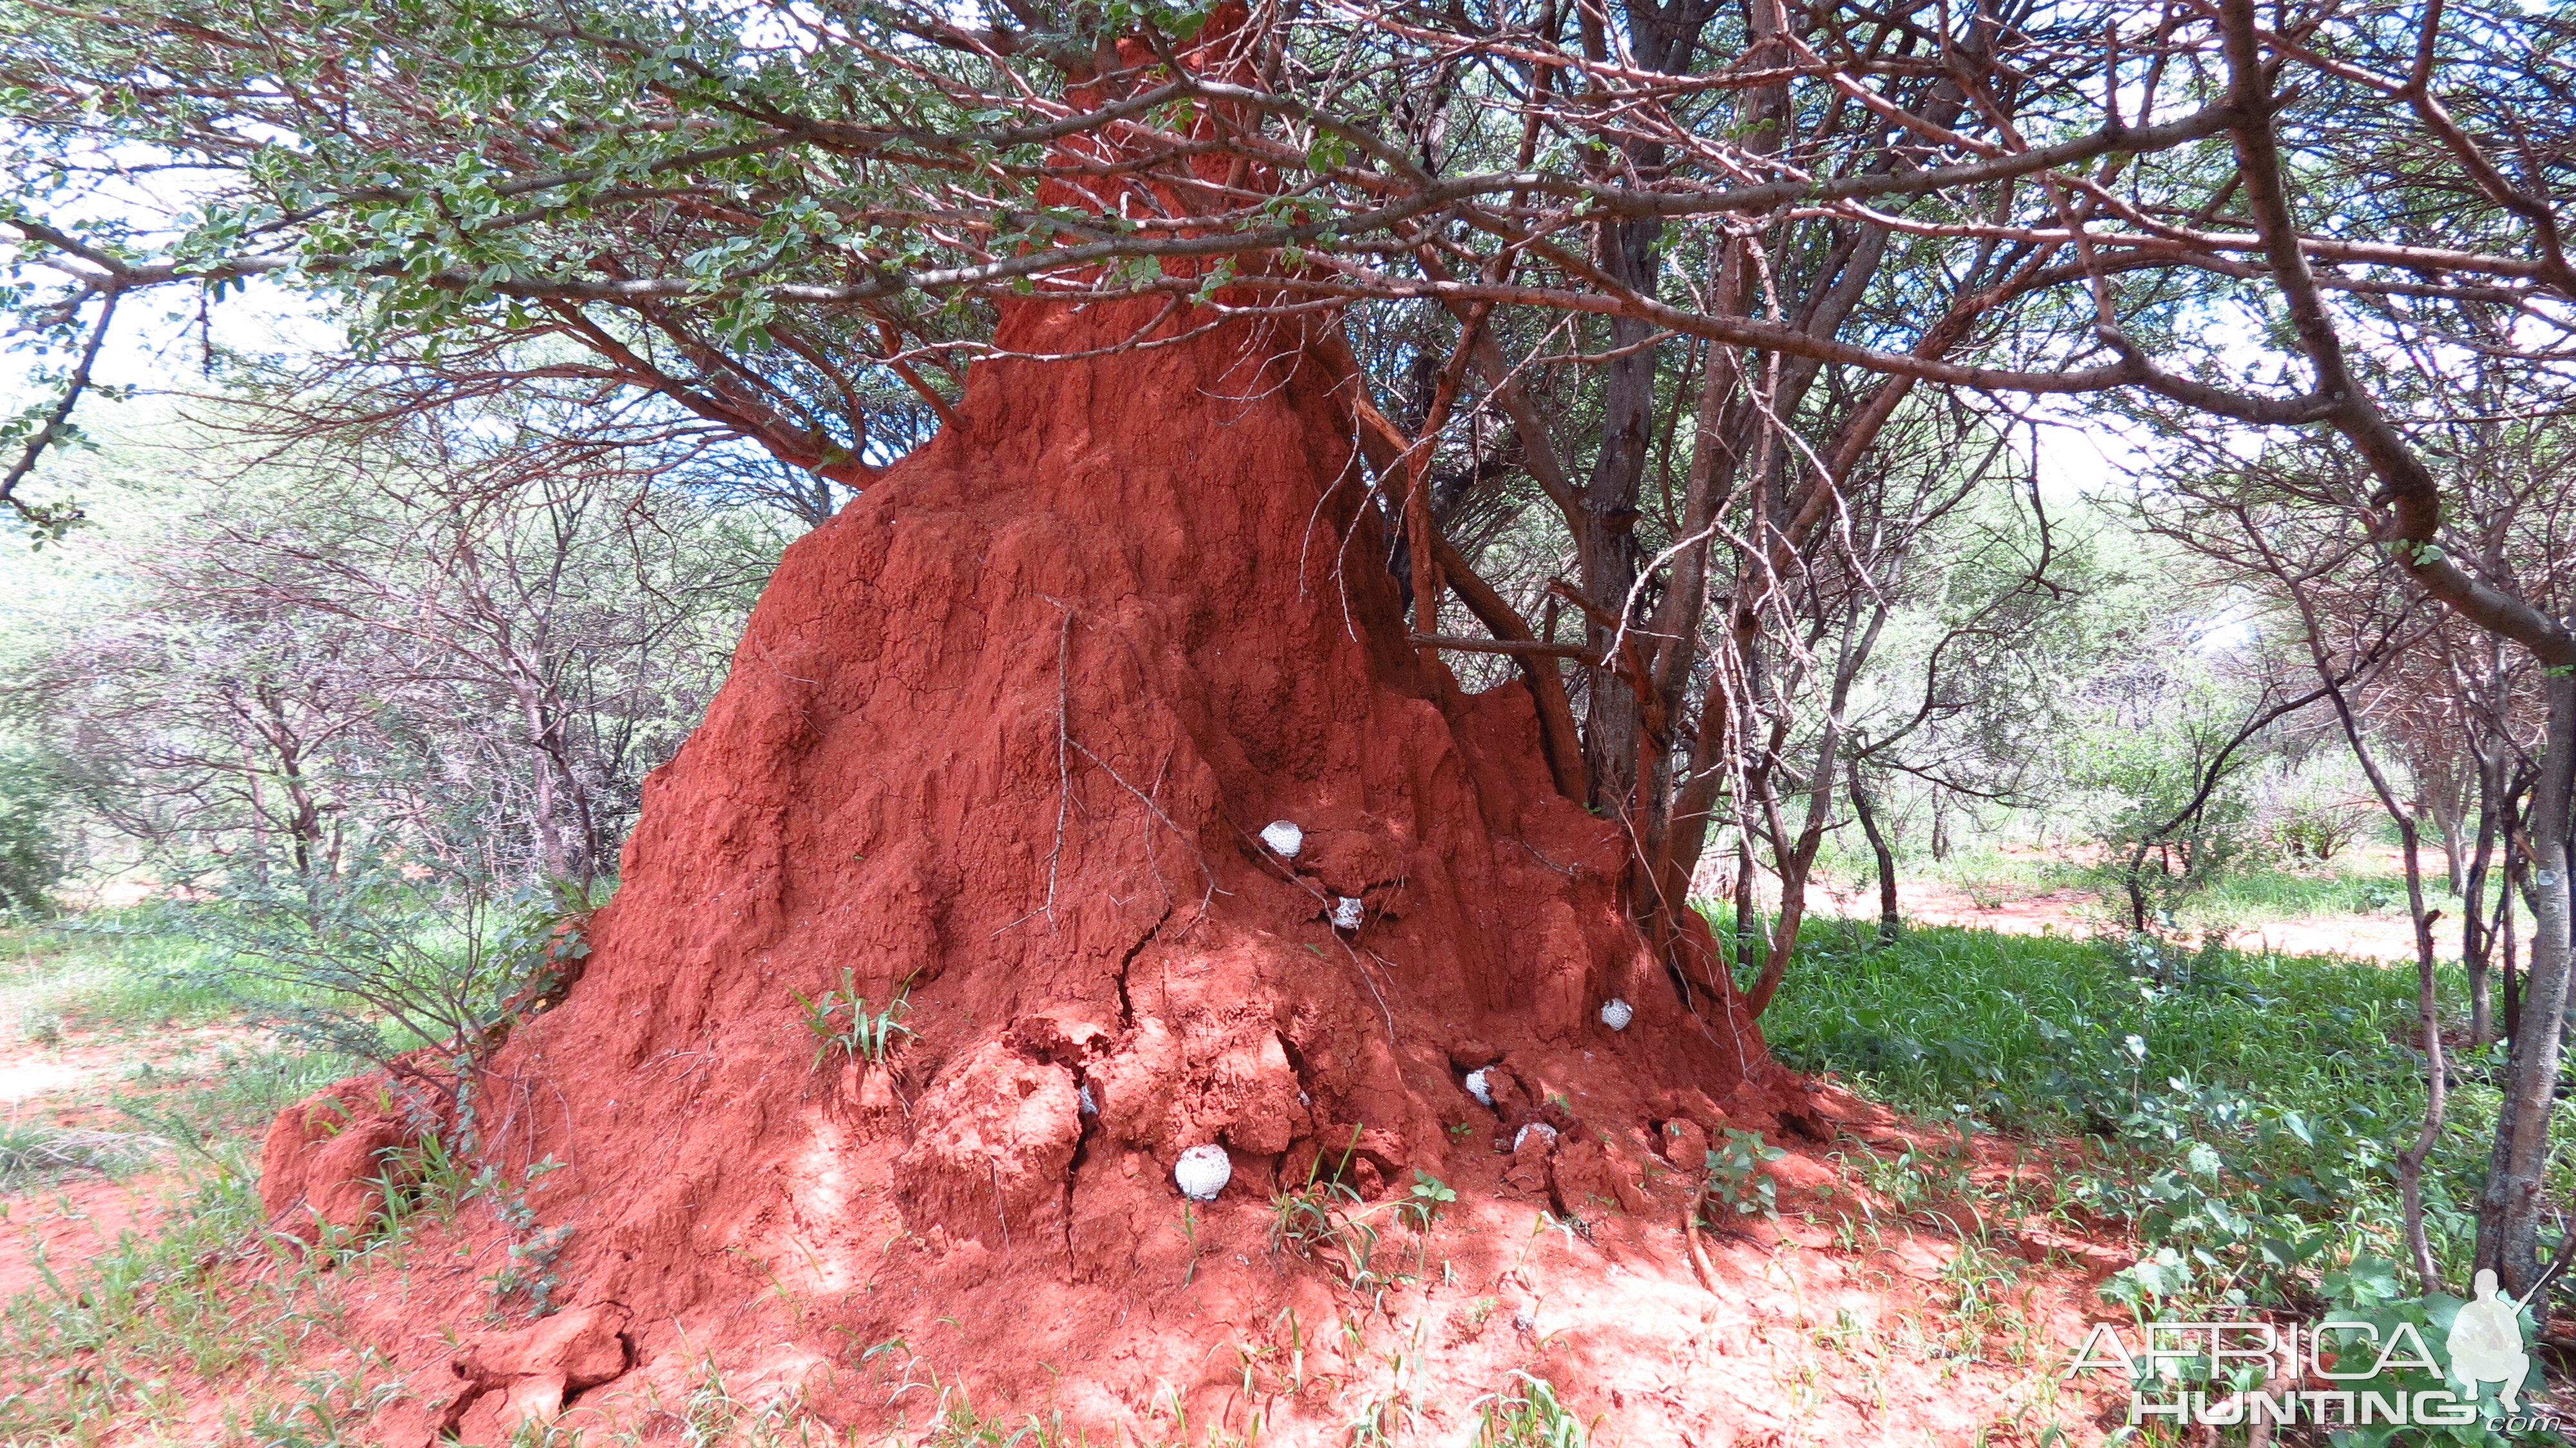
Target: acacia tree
2289 521
749 211
1971 705
2461 710
417 645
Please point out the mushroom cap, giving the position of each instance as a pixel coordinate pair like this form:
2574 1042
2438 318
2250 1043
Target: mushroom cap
1541 1129
1477 1088
1616 1013
1346 912
1284 838
1202 1172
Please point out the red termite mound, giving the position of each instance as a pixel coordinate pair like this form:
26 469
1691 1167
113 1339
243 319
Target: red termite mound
1007 730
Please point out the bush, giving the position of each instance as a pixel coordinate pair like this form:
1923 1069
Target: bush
2164 838
378 966
2241 1107
31 854
2313 833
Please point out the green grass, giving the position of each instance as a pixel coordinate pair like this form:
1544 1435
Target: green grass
2240 1109
2254 896
133 1336
232 1094
124 1340
2033 1032
120 1340
2244 897
33 1153
129 987
1527 1414
102 972
102 1344
1987 866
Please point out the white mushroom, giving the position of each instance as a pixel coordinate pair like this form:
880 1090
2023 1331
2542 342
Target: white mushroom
1284 838
1090 1104
1477 1087
1540 1129
1346 912
1616 1013
1203 1172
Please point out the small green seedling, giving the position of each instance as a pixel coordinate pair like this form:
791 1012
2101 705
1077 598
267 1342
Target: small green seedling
840 1020
1736 1177
1428 1196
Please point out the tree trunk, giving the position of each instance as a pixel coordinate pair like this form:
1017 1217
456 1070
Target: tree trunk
303 823
1890 923
2505 934
1615 742
2455 849
2477 942
545 808
2428 1031
2509 1210
1797 864
1606 539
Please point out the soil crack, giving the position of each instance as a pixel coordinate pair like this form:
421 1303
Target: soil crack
1126 1004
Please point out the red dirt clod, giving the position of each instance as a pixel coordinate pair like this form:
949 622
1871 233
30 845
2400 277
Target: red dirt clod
521 1377
324 1156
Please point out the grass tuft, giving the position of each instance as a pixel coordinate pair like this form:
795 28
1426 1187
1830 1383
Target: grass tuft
32 1154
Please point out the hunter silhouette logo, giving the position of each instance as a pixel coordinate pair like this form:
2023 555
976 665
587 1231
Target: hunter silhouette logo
2377 1370
2485 1344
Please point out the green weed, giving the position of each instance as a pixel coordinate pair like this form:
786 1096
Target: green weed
1736 1179
841 1021
2241 1108
98 1345
1424 1200
111 970
1528 1415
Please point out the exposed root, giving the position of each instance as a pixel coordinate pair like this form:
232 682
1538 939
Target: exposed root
1690 1239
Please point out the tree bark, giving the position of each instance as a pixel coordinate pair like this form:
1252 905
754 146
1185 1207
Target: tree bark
2477 942
1889 921
2509 1210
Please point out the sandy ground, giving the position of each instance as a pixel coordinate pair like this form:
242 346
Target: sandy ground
1849 1318
73 1081
64 1225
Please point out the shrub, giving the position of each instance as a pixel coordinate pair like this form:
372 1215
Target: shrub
31 854
375 965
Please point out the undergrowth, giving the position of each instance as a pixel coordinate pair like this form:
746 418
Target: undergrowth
131 1336
2251 897
2257 894
102 971
2240 1110
116 1341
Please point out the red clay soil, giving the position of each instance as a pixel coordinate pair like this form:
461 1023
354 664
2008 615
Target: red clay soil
1847 1320
1007 730
60 1226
